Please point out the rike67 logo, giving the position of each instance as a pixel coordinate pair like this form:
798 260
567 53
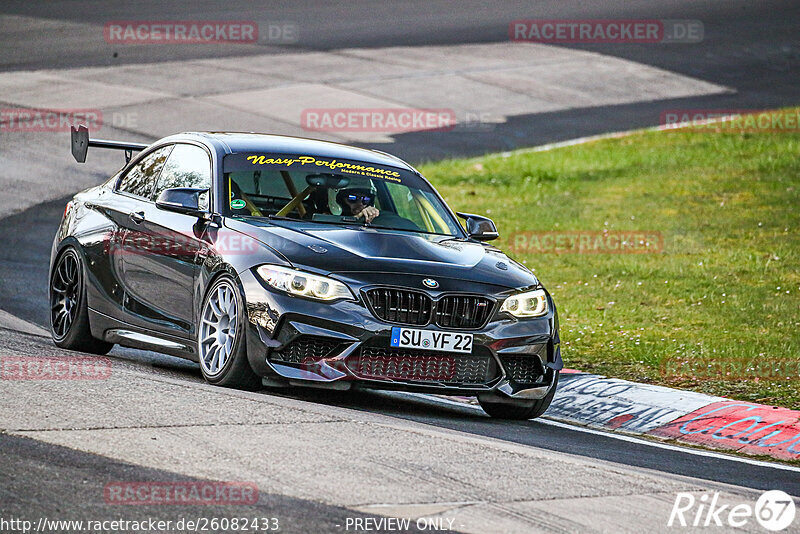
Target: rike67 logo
774 510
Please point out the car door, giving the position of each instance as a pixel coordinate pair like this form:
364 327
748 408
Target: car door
129 198
161 276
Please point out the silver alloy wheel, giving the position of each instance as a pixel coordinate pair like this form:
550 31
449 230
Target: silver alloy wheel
218 329
65 290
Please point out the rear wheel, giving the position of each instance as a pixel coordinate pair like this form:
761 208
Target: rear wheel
221 343
69 313
520 409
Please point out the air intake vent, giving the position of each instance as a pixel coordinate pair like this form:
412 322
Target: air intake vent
525 369
422 366
400 306
307 349
457 311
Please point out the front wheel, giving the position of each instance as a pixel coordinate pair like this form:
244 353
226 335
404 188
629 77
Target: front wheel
221 343
520 409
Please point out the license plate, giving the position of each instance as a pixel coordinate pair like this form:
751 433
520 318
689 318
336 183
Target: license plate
414 338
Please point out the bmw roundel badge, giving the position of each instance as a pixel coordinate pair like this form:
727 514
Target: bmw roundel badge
431 283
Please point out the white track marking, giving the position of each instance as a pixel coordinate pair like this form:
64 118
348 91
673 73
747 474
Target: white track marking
621 437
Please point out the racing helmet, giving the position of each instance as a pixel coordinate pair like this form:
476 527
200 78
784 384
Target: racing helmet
345 197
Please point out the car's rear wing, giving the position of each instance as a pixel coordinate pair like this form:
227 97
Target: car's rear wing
81 144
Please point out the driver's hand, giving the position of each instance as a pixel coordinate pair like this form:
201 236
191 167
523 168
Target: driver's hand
369 213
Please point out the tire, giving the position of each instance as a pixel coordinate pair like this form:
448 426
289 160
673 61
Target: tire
520 410
69 313
221 340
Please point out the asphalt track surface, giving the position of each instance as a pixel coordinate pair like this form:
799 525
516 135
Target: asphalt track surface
48 481
750 46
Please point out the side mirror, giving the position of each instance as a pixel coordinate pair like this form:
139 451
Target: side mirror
479 227
182 200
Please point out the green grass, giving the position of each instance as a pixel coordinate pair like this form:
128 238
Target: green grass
725 289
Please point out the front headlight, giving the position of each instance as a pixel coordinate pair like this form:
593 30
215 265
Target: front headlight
304 284
527 304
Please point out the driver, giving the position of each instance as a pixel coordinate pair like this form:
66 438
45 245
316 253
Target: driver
357 202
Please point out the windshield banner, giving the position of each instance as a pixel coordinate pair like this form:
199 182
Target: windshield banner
313 164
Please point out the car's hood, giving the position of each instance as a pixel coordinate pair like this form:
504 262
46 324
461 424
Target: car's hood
337 249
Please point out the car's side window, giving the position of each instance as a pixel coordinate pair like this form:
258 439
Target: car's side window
141 178
187 166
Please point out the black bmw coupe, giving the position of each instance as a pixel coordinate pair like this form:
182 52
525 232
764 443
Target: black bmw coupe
276 261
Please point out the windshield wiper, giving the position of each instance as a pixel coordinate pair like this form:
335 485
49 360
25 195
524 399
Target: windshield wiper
406 230
354 222
360 223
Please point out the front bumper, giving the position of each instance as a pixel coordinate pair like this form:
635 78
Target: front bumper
341 345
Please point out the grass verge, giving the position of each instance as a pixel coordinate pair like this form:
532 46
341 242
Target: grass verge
717 309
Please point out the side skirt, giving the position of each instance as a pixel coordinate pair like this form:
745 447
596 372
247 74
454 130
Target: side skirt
126 335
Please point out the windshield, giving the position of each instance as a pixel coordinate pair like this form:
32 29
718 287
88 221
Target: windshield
330 191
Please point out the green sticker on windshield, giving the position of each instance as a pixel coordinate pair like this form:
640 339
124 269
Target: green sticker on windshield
238 203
